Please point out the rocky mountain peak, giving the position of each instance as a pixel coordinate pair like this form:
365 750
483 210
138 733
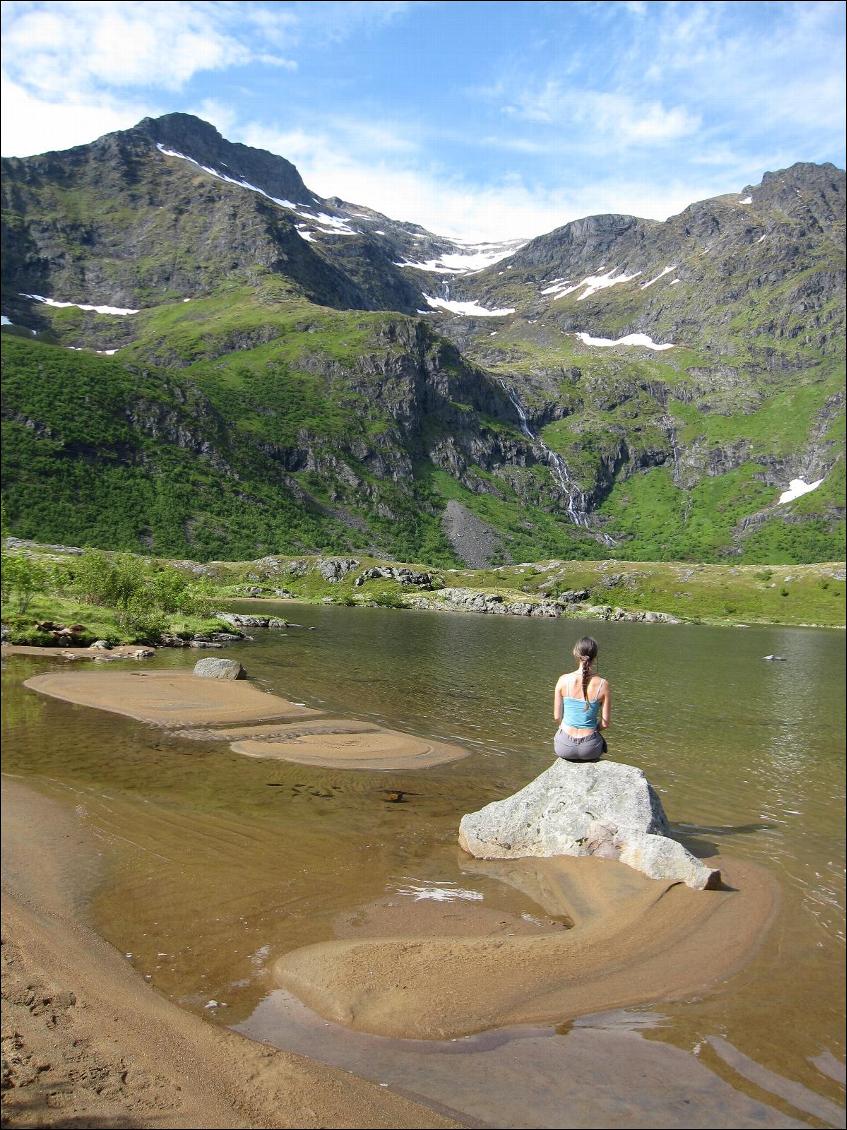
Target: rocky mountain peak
199 140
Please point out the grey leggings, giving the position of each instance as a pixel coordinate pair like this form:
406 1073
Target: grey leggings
588 748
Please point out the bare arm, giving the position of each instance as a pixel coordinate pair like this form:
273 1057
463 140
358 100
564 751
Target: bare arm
557 703
607 708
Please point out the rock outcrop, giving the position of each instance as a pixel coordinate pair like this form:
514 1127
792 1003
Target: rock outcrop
601 808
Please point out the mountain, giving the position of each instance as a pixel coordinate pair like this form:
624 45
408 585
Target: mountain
203 357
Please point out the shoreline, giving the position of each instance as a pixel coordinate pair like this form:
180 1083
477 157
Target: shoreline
88 1040
611 590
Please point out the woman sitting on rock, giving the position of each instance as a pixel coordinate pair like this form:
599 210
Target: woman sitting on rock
582 705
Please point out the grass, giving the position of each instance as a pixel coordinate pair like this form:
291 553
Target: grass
722 594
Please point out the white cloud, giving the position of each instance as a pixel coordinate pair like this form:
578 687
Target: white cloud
81 45
604 114
405 187
31 124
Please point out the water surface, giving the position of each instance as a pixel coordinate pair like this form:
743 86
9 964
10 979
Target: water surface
223 863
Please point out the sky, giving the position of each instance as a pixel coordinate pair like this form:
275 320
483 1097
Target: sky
481 121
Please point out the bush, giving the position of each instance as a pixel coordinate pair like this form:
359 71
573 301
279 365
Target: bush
387 600
22 578
110 582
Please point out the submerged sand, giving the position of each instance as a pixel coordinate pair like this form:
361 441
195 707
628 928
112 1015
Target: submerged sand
87 1043
632 940
220 709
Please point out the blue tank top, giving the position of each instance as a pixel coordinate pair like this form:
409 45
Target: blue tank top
579 714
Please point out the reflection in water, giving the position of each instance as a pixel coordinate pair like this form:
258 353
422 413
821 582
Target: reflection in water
225 863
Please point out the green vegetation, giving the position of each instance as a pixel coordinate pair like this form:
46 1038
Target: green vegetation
116 597
78 588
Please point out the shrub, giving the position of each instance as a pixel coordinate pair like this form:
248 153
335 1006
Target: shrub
22 578
387 600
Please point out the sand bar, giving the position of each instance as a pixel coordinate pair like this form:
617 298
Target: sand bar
167 698
350 745
633 940
121 651
264 725
88 1043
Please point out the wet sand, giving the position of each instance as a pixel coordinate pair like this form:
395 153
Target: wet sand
633 939
165 698
122 651
181 699
350 745
88 1043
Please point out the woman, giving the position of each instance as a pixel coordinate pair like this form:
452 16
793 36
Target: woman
582 704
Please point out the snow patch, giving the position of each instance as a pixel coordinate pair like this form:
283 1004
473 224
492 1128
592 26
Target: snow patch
106 352
593 283
321 217
630 339
4 321
599 282
304 233
761 239
746 200
796 488
467 309
664 271
675 281
559 287
469 259
78 305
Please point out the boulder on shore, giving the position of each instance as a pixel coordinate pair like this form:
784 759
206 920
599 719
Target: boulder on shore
597 808
219 669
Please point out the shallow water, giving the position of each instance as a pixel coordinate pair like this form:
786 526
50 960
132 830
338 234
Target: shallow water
223 863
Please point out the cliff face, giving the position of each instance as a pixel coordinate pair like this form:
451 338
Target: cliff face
277 386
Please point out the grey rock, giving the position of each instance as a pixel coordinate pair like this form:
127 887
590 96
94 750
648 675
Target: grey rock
101 645
237 620
572 596
142 653
333 569
392 573
601 808
219 669
204 643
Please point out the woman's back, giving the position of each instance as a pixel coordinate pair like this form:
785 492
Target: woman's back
582 707
578 713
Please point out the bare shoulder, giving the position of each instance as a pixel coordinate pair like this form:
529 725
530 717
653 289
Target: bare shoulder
601 685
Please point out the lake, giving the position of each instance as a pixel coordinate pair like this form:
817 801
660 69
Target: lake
219 864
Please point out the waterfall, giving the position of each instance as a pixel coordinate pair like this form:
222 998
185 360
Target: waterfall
575 497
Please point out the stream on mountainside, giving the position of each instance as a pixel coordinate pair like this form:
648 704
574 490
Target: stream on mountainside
223 863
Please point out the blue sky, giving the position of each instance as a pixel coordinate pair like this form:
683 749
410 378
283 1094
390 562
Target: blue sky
482 120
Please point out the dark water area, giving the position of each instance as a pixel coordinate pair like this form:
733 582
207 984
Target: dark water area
223 863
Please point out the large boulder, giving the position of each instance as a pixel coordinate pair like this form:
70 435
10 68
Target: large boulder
332 569
219 669
598 808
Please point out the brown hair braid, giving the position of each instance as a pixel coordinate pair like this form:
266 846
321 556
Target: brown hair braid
585 650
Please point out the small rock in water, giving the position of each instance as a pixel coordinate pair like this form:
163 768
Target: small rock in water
774 658
219 669
101 645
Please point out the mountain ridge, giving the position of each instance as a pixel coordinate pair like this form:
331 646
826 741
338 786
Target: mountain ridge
261 294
